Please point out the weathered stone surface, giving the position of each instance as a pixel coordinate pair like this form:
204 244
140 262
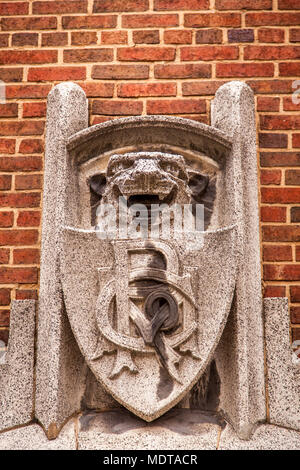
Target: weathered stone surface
283 366
32 437
265 437
130 302
240 355
119 430
16 367
213 286
60 367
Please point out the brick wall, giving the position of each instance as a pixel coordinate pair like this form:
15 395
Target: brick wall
137 57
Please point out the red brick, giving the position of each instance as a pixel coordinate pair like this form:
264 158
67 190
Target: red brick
177 5
54 39
295 214
114 37
21 128
18 237
28 182
272 19
271 35
266 103
283 122
271 52
18 275
27 91
146 37
289 69
4 336
4 296
149 20
119 72
270 86
296 140
102 6
288 104
31 146
25 39
295 314
4 40
5 182
29 219
295 35
67 6
281 233
207 20
7 146
245 70
30 163
279 159
282 272
26 256
277 253
89 22
240 35
6 218
146 53
270 177
273 214
243 5
20 200
182 71
273 140
9 110
24 294
127 90
4 256
288 5
28 23
94 89
84 38
16 8
178 106
11 74
292 177
209 53
88 55
280 195
298 253
178 37
28 57
48 74
4 318
295 293
209 36
34 110
200 88
117 108
274 291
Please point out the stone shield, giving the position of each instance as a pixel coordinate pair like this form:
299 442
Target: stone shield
148 315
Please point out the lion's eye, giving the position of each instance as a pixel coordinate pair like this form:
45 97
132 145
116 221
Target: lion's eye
170 168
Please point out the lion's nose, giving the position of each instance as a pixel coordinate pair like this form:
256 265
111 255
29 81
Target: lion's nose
147 172
147 167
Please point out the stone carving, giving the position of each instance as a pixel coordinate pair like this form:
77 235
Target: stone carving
136 322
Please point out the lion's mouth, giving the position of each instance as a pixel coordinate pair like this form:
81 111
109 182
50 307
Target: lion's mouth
151 199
